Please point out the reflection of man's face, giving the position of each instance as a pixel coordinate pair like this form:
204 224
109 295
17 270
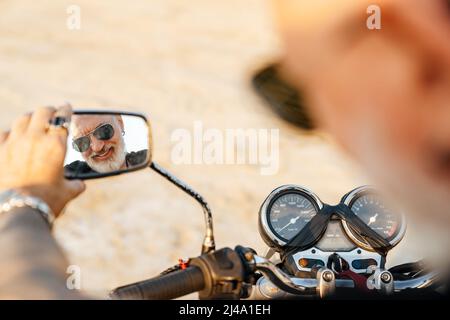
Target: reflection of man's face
106 152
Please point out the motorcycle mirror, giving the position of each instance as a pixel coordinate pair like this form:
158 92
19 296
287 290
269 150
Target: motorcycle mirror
107 143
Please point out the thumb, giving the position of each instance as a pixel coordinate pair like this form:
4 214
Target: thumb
74 188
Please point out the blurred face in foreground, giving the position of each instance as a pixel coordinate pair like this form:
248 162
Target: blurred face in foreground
100 141
383 94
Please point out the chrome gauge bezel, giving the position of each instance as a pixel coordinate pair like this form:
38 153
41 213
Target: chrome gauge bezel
350 198
271 239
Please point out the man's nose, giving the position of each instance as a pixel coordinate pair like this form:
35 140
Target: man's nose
97 145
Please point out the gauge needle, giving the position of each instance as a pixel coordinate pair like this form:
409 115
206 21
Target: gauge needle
373 219
292 221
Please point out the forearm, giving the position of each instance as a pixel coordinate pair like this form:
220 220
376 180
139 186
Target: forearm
32 265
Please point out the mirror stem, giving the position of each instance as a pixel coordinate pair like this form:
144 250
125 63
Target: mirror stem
208 243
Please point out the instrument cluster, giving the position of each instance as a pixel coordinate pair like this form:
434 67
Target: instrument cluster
289 210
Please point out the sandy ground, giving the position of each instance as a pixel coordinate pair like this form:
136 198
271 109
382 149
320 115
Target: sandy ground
177 61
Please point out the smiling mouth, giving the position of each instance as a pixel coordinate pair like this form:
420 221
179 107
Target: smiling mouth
104 156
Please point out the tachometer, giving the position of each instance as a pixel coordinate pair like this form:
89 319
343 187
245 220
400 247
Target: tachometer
370 207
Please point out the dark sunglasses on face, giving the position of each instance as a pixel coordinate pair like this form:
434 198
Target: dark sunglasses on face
104 132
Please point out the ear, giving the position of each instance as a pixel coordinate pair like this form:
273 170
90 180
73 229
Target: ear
120 121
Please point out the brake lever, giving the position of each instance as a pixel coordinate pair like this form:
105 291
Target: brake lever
277 276
324 276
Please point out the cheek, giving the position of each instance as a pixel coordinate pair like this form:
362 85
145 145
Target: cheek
87 154
114 140
401 135
375 87
438 118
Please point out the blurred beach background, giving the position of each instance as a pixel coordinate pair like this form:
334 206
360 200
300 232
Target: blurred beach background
179 62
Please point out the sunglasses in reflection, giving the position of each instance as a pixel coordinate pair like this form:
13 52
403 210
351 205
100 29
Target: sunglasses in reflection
103 132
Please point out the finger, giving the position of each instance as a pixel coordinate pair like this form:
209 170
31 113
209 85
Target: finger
20 125
4 136
40 120
63 113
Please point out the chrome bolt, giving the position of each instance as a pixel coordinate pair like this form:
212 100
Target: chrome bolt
386 277
327 276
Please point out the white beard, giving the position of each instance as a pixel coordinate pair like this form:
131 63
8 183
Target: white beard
114 163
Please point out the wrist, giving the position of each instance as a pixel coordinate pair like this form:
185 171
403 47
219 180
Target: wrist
48 194
18 198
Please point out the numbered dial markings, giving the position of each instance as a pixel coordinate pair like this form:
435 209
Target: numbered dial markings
371 209
289 214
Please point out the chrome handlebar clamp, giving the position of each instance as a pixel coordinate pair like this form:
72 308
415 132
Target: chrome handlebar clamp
382 281
326 283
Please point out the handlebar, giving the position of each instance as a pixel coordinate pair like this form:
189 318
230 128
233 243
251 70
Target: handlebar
166 287
225 271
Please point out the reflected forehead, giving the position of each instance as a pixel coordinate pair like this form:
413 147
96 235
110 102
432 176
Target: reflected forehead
82 125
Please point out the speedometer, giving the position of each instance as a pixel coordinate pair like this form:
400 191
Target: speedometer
285 213
289 214
370 208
